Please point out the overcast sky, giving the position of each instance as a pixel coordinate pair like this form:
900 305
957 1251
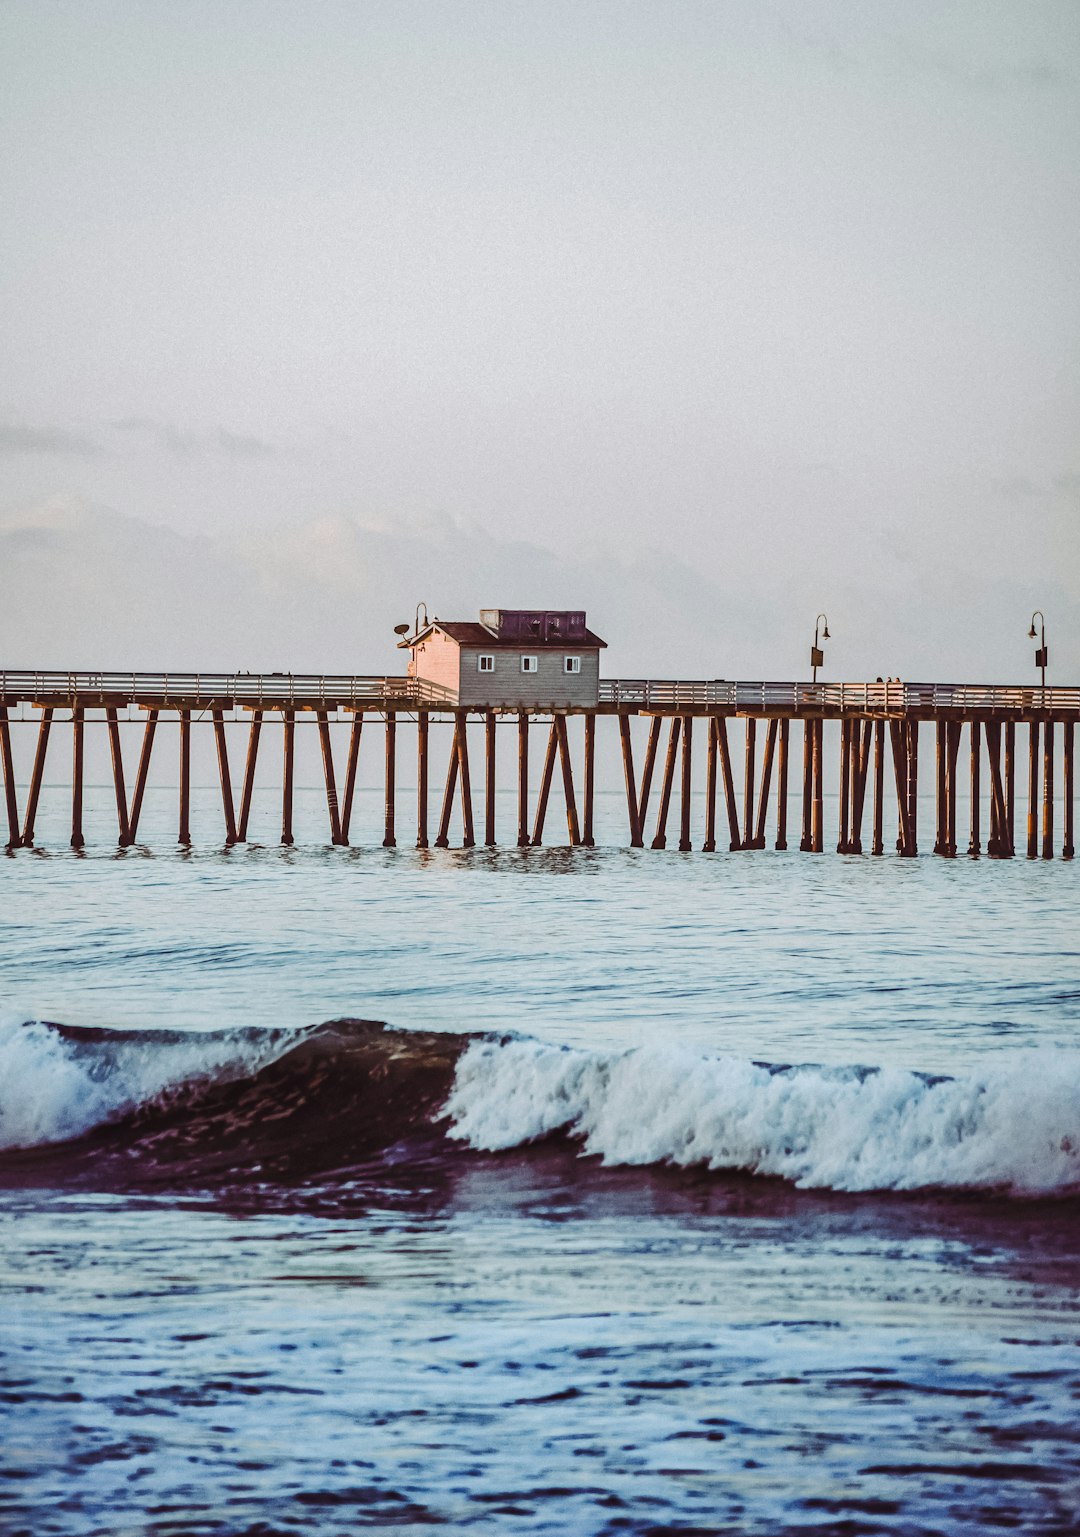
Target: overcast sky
702 317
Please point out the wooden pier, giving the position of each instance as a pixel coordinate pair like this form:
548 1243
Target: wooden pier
877 734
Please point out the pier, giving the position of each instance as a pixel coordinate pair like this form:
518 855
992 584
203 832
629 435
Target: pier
744 731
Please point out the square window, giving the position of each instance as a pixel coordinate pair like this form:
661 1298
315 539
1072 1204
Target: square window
530 664
571 664
485 663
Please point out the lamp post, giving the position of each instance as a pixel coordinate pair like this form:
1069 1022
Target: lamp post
817 656
1041 653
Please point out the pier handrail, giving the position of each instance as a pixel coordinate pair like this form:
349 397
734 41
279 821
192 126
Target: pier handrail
201 689
799 698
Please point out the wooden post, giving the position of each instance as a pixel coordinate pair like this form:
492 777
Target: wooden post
523 780
897 734
568 782
328 776
941 837
782 787
1048 790
350 773
37 773
14 831
806 843
1068 848
184 833
545 786
954 728
748 783
647 772
226 778
766 781
630 780
660 838
468 840
389 839
974 842
862 731
149 731
442 837
289 723
254 733
709 846
1010 785
687 781
1033 791
845 785
118 775
590 780
997 845
878 845
489 779
729 784
819 788
77 839
913 787
422 780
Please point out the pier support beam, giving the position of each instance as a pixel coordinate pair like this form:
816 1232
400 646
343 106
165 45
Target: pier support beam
730 804
226 777
142 773
941 785
709 846
766 782
389 838
974 842
351 766
119 787
819 788
845 786
747 841
14 838
1068 848
587 837
687 781
912 754
489 779
468 840
630 780
36 775
184 833
422 735
806 841
878 846
288 766
568 782
782 787
523 780
660 837
254 733
954 728
651 747
327 749
545 786
860 762
77 726
1033 791
1048 790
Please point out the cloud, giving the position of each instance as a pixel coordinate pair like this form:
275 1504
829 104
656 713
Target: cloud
18 439
186 444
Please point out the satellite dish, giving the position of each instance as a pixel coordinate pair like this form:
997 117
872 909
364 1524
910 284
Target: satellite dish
401 629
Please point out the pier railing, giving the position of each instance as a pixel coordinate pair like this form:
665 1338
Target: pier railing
205 689
800 698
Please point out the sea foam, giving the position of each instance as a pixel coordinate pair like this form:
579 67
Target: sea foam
1012 1125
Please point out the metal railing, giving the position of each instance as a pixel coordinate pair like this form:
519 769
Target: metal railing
199 689
793 698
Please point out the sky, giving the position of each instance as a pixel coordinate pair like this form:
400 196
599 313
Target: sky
702 317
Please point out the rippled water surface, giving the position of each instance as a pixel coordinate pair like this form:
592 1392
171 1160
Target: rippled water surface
566 1260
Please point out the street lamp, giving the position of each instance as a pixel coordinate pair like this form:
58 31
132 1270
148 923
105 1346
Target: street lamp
817 656
1041 653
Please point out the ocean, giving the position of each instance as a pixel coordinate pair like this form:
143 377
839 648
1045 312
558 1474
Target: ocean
540 1191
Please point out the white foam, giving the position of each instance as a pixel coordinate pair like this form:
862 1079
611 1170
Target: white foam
1013 1124
53 1089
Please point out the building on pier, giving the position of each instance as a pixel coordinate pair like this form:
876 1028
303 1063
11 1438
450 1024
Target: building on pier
512 659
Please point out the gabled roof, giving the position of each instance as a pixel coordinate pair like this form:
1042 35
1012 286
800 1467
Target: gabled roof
468 633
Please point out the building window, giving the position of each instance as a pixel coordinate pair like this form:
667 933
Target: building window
485 663
571 664
530 664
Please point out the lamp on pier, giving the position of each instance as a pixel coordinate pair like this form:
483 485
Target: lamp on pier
817 656
1041 653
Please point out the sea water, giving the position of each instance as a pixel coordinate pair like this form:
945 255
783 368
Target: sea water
628 1191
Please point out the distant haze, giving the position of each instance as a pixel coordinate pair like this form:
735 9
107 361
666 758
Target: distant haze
701 317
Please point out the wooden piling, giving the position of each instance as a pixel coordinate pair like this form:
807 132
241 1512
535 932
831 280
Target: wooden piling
351 768
568 782
184 832
468 840
523 780
878 845
14 838
442 837
142 773
912 756
254 733
660 837
766 782
630 780
587 837
900 772
118 775
1033 791
289 745
327 748
77 725
36 775
545 786
1048 790
941 785
953 739
782 787
731 806
226 778
390 785
748 783
997 842
1068 849
647 772
489 779
974 841
687 783
819 789
709 846
1010 785
845 785
422 734
806 842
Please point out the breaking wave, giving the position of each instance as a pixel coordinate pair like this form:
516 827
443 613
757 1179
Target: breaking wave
175 1108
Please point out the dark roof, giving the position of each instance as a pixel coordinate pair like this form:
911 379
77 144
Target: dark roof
468 633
